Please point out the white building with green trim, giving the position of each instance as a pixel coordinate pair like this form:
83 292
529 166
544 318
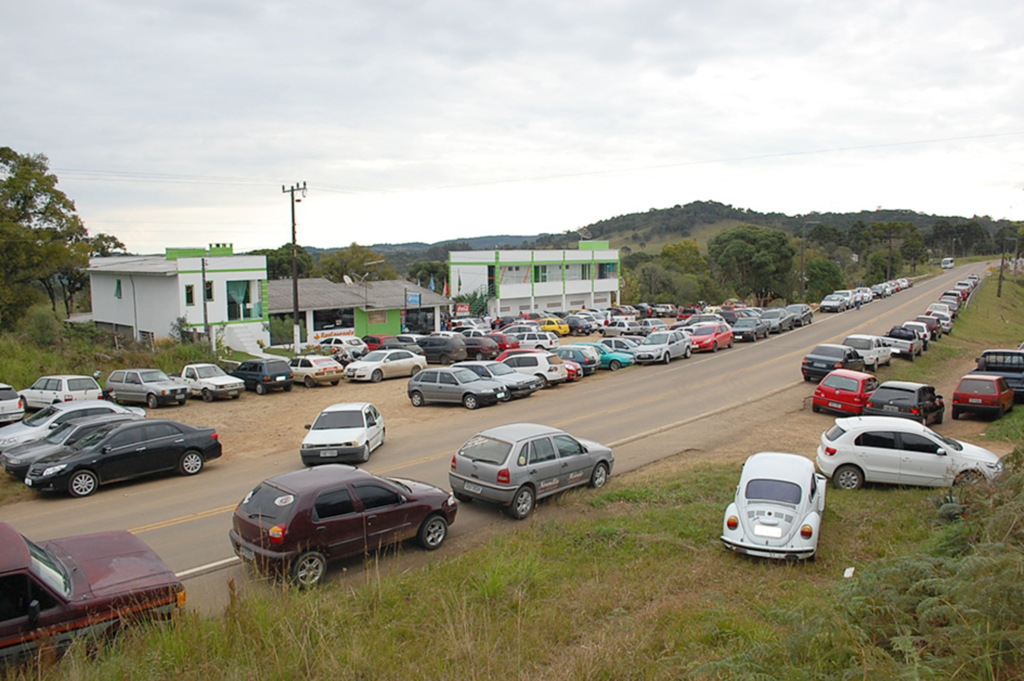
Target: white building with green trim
142 296
519 281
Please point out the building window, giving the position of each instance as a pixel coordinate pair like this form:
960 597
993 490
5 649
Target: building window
540 273
190 294
209 291
117 289
585 271
606 270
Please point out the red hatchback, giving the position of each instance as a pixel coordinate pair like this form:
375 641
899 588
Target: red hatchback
711 337
504 342
375 341
982 394
844 391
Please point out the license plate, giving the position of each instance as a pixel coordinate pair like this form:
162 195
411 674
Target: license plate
329 453
772 531
475 489
28 481
890 407
500 395
246 553
835 405
279 378
232 393
974 400
820 364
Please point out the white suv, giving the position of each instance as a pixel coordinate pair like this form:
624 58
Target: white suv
547 366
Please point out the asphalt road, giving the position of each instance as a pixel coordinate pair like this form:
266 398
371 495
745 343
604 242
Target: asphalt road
645 413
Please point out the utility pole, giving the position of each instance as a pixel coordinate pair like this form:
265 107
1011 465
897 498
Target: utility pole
296 331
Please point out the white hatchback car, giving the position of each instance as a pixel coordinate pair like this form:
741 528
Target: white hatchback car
901 452
381 364
348 431
778 507
547 366
52 389
12 407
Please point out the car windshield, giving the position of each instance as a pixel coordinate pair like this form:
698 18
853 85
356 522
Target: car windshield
60 433
339 419
500 369
828 351
153 375
949 442
267 502
486 449
375 356
93 438
771 314
744 323
209 371
465 376
656 339
40 417
774 490
48 568
703 331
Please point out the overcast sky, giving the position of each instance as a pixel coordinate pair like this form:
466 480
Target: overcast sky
176 123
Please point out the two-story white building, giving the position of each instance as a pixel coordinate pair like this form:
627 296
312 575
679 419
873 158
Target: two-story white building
520 281
142 296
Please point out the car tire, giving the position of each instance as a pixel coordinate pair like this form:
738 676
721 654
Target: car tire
83 483
416 397
309 382
600 475
815 408
364 456
714 346
152 402
614 365
459 496
377 376
522 503
938 419
445 360
689 351
730 344
181 401
507 397
207 395
955 414
807 378
969 477
848 477
432 532
666 358
308 569
412 372
480 357
191 463
335 382
288 387
544 383
235 397
888 362
470 401
261 389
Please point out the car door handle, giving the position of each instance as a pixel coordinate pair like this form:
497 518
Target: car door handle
178 442
321 528
370 519
565 464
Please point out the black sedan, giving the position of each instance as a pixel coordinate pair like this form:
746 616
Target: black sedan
121 451
915 401
827 357
803 313
750 329
17 460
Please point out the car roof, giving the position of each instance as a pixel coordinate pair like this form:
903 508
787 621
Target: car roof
984 377
64 376
850 373
889 422
317 477
516 432
347 406
79 404
778 465
15 555
830 345
902 385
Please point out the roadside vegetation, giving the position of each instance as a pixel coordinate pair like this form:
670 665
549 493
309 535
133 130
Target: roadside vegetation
632 583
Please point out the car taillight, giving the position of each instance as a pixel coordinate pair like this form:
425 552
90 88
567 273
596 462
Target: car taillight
276 534
215 436
956 398
818 393
733 522
806 361
503 476
857 399
454 464
831 451
914 411
806 531
837 365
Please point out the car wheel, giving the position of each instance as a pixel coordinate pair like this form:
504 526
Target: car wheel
308 569
848 477
955 414
445 360
913 356
235 397
470 401
207 395
433 532
614 365
83 483
181 401
261 389
969 477
412 372
600 476
753 338
152 402
666 358
335 382
310 383
507 397
480 357
714 347
522 503
416 398
816 409
938 419
191 463
888 362
377 376
730 343
1001 413
288 387
686 355
364 456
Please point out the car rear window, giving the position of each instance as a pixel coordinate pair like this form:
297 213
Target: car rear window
898 394
486 449
841 383
828 351
267 502
834 433
976 385
8 394
774 490
278 367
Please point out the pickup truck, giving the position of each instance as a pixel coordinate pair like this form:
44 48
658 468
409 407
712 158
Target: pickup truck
871 348
86 587
903 342
209 381
1006 363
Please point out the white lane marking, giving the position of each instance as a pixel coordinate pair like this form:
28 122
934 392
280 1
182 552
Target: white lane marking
209 567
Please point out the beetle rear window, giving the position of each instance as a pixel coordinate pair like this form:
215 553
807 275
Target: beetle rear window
774 490
486 449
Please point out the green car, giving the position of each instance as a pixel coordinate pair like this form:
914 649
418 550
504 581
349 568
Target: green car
610 359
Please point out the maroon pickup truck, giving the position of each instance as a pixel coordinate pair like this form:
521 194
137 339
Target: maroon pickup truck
54 592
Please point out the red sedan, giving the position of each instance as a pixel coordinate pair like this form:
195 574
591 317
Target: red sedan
711 337
844 391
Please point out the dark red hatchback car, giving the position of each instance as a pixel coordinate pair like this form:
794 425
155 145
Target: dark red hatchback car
982 394
294 524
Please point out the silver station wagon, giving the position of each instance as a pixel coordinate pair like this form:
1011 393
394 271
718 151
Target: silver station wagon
517 464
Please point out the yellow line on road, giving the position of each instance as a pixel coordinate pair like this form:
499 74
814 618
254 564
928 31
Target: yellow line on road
183 519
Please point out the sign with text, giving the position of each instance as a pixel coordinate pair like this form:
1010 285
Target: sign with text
462 309
412 299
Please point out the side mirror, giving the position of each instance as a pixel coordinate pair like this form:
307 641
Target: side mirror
308 426
938 397
106 448
940 451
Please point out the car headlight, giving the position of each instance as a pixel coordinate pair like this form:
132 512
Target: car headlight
7 441
53 470
487 391
997 466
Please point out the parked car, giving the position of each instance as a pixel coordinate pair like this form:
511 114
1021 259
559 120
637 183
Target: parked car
871 349
934 326
649 326
664 346
827 357
623 344
49 390
982 394
521 327
903 342
547 367
381 364
347 431
481 348
405 342
16 460
151 387
209 381
454 386
39 425
444 350
833 303
863 449
915 401
504 341
313 370
610 359
844 391
945 321
516 384
554 325
580 326
373 341
296 523
588 358
12 406
1006 363
84 589
537 339
777 510
779 319
750 329
620 327
353 345
923 332
515 465
123 451
803 314
264 375
710 337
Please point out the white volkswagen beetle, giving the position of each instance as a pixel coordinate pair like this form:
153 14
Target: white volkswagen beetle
778 508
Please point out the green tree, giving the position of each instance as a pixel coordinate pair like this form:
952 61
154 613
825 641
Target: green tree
912 249
422 272
753 261
823 277
684 256
279 261
357 262
890 235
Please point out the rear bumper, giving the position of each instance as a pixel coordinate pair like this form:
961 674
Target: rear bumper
489 493
781 553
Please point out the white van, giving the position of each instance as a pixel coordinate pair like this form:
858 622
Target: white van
947 263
